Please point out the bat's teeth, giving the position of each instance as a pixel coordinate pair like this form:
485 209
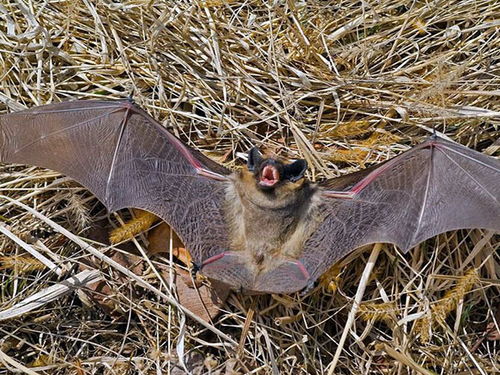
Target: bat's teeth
270 176
276 175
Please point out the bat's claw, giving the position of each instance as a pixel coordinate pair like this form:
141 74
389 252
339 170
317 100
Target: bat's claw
194 269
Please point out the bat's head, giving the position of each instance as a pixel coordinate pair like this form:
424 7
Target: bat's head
270 173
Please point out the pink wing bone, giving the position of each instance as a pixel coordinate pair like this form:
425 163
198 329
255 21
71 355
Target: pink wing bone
130 106
402 202
357 188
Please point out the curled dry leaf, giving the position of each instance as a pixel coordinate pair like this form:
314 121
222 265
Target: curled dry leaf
101 293
202 299
493 332
194 365
159 242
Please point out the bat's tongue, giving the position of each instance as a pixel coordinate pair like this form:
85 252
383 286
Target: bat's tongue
269 176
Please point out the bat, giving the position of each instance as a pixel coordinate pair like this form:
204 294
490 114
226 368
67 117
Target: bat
265 228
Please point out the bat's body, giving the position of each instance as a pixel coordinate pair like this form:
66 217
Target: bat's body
269 227
264 228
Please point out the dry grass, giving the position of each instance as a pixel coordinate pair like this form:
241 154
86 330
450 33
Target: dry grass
342 84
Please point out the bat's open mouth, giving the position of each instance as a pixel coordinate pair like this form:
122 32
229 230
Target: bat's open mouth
269 176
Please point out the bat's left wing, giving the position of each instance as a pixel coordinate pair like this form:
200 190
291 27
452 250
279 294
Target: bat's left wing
126 159
435 187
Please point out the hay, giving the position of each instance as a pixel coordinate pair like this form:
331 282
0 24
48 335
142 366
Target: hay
341 84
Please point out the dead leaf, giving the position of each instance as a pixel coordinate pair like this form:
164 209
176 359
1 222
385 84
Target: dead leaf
493 332
492 329
159 242
201 299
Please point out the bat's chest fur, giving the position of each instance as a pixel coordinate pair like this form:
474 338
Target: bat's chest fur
267 227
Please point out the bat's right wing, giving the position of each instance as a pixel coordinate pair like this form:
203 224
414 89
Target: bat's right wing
126 159
435 187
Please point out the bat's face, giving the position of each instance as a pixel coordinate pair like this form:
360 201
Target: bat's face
271 173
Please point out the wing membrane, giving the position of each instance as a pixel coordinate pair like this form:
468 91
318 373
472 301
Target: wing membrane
435 187
126 159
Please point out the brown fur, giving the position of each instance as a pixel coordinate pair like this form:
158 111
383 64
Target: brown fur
269 226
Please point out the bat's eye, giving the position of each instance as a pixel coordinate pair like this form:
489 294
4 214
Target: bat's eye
269 176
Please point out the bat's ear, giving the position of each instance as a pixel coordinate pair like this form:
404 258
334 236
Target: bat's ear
254 159
296 170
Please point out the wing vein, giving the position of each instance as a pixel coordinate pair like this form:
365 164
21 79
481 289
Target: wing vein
470 176
426 196
470 158
38 140
123 124
78 109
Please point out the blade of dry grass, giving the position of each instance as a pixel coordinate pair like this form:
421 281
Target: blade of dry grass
406 360
35 253
355 305
9 361
50 294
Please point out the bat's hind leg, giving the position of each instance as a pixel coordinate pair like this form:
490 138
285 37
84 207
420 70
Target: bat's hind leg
231 268
241 273
287 276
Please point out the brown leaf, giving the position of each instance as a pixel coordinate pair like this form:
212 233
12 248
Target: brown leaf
492 329
201 299
493 332
159 242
